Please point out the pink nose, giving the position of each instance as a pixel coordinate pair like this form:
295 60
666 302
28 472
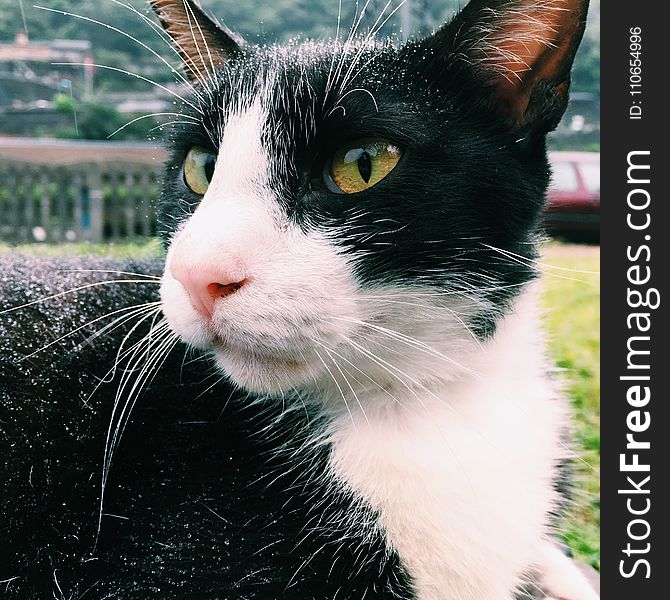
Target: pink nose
205 285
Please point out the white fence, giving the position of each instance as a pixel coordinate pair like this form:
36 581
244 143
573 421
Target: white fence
57 191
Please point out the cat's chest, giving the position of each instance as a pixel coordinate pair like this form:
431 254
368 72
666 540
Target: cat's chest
461 476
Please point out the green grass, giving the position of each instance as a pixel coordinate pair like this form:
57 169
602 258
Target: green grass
139 250
571 300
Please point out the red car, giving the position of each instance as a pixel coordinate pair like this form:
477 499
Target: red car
573 206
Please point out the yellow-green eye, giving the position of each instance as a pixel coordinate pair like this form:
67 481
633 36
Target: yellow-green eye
198 169
360 165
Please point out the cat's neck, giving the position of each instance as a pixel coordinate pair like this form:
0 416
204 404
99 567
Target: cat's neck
440 450
430 381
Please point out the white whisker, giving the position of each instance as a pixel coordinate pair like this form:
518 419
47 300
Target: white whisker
366 375
134 310
150 278
71 291
344 398
158 114
520 259
412 342
191 17
137 76
123 33
163 340
365 416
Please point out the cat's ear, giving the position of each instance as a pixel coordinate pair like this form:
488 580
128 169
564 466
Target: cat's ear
519 53
203 44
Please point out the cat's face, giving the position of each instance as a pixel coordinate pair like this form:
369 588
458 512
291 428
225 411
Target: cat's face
348 212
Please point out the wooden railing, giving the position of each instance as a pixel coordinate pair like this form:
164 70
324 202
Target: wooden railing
57 191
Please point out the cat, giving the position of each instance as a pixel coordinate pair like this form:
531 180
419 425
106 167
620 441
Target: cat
364 408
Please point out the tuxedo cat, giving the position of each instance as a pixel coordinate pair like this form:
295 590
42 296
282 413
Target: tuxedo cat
348 395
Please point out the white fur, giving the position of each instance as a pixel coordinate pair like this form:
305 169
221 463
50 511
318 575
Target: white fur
462 476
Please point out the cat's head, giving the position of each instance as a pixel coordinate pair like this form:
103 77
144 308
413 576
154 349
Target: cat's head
354 211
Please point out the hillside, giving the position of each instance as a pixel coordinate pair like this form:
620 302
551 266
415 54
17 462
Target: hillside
257 20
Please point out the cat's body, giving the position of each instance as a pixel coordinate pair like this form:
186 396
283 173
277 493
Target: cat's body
351 235
200 502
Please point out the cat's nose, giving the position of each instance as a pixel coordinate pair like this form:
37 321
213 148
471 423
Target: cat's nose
206 285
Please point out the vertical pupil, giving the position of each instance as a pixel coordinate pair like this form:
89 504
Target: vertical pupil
209 167
365 166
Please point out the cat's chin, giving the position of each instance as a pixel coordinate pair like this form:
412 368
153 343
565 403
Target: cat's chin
261 372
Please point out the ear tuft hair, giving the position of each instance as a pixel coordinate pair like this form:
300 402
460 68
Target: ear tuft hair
203 43
521 51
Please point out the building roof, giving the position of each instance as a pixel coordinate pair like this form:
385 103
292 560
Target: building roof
44 51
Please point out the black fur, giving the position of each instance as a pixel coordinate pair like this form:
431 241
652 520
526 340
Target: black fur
205 497
213 493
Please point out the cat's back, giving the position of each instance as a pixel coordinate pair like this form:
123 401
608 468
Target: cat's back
52 417
204 496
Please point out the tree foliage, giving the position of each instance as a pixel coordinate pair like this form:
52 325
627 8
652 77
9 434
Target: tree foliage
257 20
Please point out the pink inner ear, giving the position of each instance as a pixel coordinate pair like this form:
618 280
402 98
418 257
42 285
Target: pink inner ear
204 46
533 46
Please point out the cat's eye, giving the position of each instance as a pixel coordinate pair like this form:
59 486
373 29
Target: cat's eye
360 165
198 169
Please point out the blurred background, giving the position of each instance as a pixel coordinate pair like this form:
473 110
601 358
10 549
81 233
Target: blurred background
80 159
38 97
66 77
